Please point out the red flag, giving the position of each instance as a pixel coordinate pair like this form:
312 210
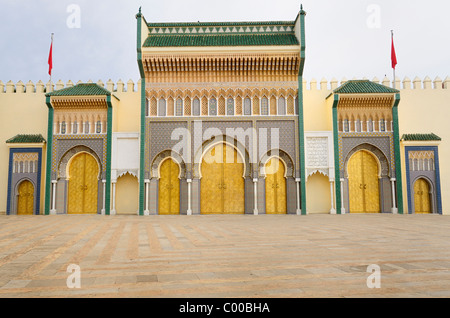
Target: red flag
50 60
393 56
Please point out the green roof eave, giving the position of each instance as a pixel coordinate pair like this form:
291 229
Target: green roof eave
421 137
364 87
286 39
26 139
217 24
82 89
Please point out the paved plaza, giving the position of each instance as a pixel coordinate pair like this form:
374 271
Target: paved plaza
248 256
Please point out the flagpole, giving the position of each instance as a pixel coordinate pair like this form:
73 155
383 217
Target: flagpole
392 41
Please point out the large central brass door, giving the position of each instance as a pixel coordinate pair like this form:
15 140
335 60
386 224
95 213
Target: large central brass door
222 183
83 184
422 202
364 193
169 188
26 198
275 187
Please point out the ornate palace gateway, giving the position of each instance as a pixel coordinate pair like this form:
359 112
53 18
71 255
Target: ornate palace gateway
222 122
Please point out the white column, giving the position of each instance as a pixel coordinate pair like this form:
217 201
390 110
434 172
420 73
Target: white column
113 210
255 196
71 130
104 196
342 197
297 182
53 209
147 183
394 205
189 209
333 210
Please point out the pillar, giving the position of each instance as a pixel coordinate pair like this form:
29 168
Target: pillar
146 211
255 196
342 197
104 197
189 209
53 209
299 210
333 210
394 205
113 210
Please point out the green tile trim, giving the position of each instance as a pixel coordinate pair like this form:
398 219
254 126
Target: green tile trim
301 127
398 163
142 130
26 139
337 172
48 169
108 157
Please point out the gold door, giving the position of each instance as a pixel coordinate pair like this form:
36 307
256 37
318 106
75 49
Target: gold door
26 198
169 188
422 202
222 184
363 183
275 187
83 184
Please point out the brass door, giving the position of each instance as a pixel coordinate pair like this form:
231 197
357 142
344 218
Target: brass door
169 188
222 183
275 187
364 190
83 184
26 198
422 202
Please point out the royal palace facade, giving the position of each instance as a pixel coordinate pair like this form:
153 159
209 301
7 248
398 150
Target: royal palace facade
222 122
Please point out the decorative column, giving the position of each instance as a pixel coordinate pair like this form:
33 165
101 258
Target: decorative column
53 210
146 182
189 209
104 196
342 197
113 210
297 182
394 205
333 210
255 196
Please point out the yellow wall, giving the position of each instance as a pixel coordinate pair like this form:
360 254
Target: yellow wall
127 195
20 113
421 110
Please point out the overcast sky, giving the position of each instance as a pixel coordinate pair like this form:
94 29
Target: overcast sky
97 39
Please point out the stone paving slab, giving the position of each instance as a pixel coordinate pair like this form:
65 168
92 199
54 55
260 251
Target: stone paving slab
282 256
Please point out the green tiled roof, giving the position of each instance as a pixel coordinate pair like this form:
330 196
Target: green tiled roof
363 87
26 139
83 89
421 137
221 40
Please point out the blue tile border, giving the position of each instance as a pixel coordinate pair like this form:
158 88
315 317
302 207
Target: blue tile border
438 179
37 203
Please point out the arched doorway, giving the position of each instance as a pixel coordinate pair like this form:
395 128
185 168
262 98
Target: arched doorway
25 201
422 202
83 184
364 193
222 183
318 193
127 194
169 188
275 187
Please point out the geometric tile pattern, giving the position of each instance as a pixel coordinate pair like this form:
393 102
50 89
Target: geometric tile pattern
225 256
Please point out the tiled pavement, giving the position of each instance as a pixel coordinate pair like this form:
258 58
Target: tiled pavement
225 255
